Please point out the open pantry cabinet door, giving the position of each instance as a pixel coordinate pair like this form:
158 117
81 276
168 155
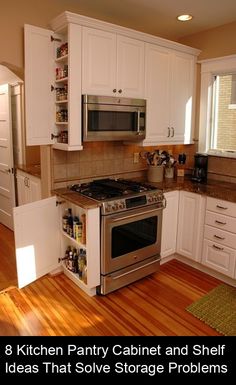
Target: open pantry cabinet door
37 239
39 72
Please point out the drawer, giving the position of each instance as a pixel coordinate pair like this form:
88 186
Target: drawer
223 222
222 237
222 207
219 258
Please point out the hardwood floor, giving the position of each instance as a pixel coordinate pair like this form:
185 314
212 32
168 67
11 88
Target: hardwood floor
7 258
154 305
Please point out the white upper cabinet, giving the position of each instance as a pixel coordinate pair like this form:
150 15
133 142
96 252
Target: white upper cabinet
38 80
81 55
113 64
51 119
169 90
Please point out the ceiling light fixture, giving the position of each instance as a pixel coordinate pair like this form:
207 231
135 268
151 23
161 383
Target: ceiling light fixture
184 17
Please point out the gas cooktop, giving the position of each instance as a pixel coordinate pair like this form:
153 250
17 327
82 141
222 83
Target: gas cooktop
119 194
103 189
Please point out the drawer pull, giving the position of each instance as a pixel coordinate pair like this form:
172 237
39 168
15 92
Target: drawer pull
221 207
217 247
218 237
220 223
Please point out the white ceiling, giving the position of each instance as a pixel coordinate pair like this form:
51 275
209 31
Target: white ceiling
158 17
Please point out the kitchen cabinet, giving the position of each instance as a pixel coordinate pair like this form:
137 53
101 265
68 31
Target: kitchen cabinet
169 224
219 250
191 225
169 90
50 118
41 242
103 59
28 188
113 64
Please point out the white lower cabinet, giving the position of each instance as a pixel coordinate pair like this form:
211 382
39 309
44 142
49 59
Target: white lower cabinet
219 258
28 188
219 252
169 224
41 242
190 225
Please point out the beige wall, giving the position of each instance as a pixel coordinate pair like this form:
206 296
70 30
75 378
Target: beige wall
215 42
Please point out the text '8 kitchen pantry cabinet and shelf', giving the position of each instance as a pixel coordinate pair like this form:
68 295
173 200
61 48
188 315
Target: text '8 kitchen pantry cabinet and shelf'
60 66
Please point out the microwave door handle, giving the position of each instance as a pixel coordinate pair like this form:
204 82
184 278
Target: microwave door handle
85 118
138 123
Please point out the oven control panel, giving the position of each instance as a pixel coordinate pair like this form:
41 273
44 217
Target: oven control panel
119 205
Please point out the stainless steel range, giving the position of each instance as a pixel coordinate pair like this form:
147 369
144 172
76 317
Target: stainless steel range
131 220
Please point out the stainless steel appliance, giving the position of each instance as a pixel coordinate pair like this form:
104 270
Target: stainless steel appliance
131 220
113 118
200 168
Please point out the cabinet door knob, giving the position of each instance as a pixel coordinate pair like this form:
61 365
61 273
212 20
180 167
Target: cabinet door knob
173 132
120 91
168 135
114 90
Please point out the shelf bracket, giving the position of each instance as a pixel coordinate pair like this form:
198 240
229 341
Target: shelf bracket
54 136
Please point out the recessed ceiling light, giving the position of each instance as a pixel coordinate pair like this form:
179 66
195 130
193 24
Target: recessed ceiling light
184 17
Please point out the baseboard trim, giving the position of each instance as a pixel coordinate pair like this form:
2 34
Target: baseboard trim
199 266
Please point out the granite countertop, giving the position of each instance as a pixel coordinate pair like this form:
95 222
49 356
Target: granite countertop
32 169
214 189
220 190
77 199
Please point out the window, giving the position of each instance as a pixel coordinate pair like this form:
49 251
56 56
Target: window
223 119
217 131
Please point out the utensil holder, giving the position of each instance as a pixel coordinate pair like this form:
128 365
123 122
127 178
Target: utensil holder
155 173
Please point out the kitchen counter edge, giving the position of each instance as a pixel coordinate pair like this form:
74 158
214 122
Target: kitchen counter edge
214 189
75 198
32 169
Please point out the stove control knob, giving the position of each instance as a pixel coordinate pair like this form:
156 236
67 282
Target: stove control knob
108 208
121 205
150 198
115 206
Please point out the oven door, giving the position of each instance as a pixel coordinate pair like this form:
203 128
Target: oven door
130 237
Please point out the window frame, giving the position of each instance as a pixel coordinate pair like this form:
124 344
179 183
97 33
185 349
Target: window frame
209 69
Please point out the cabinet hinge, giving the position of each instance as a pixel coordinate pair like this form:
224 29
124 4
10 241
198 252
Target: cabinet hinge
59 203
55 39
54 136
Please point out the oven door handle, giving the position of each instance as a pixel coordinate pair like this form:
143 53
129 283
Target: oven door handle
137 268
135 215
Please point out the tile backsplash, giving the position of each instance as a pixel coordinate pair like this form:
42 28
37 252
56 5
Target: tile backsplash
103 159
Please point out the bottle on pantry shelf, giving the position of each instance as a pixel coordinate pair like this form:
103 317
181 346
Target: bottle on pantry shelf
66 257
75 222
70 223
70 261
84 272
83 221
81 263
65 222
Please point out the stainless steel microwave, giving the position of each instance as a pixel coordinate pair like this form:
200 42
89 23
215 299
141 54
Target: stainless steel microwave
113 118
